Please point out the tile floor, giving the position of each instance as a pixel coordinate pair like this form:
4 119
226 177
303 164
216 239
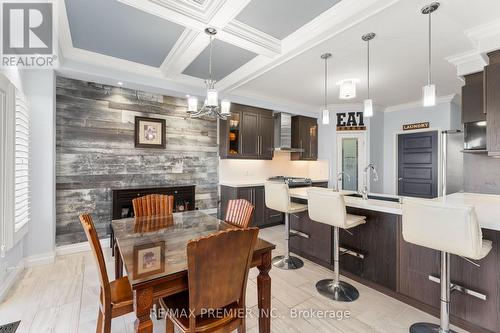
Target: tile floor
63 297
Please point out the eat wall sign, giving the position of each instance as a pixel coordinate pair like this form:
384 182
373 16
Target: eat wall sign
350 121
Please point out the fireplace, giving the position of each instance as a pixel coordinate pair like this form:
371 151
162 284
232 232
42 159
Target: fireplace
184 198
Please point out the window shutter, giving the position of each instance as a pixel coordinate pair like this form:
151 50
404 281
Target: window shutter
22 170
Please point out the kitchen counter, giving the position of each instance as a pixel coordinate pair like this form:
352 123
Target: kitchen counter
370 204
487 205
257 182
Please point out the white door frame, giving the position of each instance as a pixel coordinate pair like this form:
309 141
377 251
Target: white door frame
362 153
440 155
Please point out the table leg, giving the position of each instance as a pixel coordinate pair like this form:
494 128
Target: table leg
143 303
264 293
118 263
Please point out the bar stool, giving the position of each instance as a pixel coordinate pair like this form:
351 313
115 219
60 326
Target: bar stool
450 230
278 198
328 207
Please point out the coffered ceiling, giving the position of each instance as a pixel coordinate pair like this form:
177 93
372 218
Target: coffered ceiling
269 49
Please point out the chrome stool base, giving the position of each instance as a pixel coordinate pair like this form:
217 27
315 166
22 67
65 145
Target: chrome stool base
428 328
287 263
342 291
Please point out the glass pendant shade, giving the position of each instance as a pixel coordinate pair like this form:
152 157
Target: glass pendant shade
325 117
192 104
347 89
212 97
368 108
429 95
225 107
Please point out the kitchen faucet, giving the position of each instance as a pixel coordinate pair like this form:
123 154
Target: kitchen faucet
340 177
371 166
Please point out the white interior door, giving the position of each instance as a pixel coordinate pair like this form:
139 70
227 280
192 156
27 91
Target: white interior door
351 159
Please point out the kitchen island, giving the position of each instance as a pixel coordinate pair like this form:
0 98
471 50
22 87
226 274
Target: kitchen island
378 257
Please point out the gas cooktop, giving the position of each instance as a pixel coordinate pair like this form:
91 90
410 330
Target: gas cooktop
292 181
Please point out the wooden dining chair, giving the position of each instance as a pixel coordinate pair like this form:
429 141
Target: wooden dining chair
239 212
115 297
217 277
153 204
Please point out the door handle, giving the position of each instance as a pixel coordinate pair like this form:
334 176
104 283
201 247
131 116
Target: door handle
400 179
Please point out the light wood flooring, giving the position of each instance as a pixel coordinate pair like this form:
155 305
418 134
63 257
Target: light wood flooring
63 297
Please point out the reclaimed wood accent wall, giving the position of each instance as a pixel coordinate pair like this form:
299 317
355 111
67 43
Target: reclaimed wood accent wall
96 153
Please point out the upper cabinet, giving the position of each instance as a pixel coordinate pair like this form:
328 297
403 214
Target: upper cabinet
305 137
472 99
492 103
247 133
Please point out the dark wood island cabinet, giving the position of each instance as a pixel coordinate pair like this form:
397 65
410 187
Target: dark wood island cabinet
403 270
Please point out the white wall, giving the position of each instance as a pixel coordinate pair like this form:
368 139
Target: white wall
40 88
439 116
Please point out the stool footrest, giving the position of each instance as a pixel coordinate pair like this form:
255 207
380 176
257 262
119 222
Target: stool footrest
294 232
462 289
350 252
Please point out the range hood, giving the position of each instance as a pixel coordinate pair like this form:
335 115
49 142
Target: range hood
283 133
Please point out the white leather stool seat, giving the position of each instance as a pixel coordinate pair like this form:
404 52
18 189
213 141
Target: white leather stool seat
354 220
443 227
295 207
485 249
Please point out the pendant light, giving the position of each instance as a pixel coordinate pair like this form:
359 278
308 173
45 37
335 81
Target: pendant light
368 103
211 105
429 91
325 115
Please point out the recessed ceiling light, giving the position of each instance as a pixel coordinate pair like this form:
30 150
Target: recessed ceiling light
120 83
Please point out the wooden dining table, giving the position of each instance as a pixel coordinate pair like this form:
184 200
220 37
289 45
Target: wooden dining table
153 252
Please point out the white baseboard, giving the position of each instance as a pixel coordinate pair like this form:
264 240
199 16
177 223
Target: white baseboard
12 277
40 259
78 247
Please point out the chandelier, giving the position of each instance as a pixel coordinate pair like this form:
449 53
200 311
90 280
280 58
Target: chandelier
211 104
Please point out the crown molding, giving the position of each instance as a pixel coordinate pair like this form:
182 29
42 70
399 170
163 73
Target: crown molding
418 104
468 62
486 37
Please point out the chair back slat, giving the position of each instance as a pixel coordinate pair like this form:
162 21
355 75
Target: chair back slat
239 212
218 268
153 204
95 244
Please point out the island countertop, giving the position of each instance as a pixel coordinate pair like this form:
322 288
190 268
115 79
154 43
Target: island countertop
370 204
487 206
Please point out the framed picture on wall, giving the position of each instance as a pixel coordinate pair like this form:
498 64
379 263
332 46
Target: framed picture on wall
149 259
149 133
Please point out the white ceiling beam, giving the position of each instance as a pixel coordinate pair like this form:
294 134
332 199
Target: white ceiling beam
337 19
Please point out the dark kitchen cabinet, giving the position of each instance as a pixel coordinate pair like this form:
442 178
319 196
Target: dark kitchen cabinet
317 246
305 137
247 133
472 99
378 241
262 216
492 103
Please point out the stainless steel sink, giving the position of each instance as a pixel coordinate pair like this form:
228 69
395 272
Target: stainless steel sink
374 197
